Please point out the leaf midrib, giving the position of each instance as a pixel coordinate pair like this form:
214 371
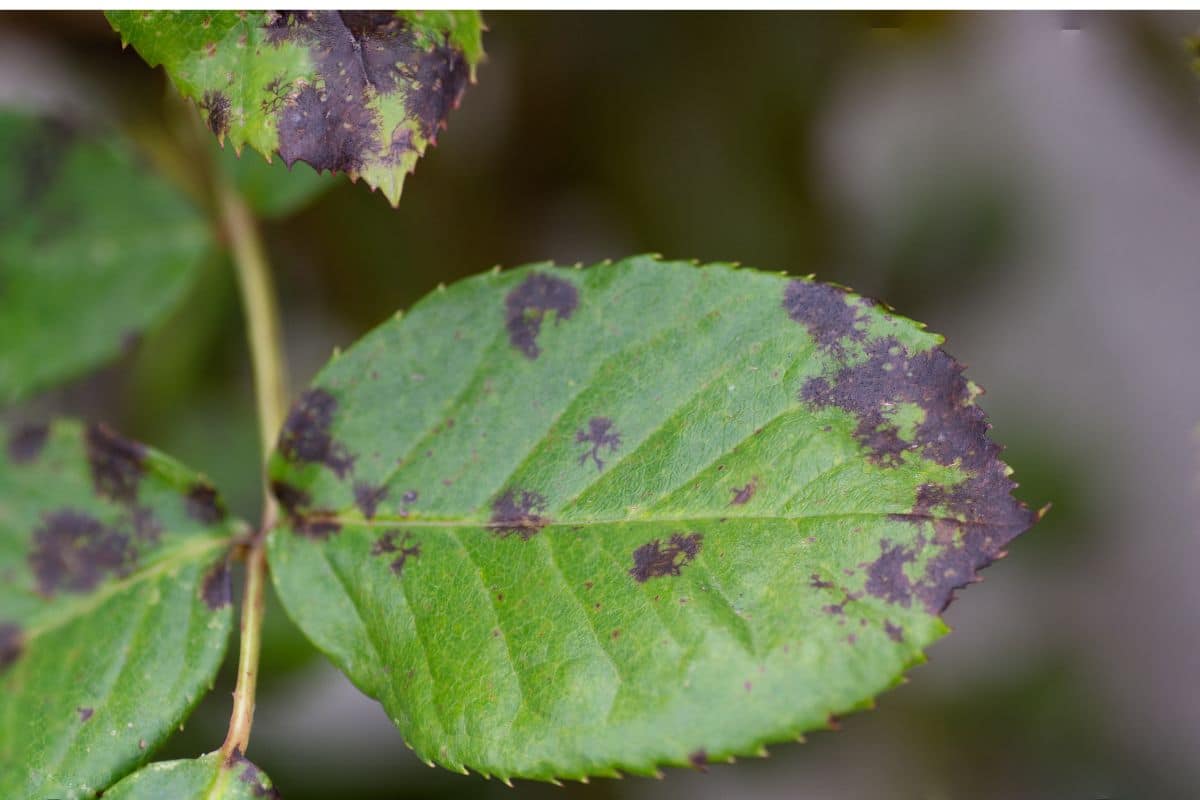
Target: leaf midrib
383 521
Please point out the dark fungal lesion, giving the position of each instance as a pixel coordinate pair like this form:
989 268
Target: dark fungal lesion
203 504
117 464
526 307
307 437
331 123
216 588
973 520
399 545
12 642
600 434
743 494
518 512
657 560
828 311
216 105
313 523
250 775
73 552
368 497
25 442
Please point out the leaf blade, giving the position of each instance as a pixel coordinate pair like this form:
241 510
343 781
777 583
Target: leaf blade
94 248
209 777
358 92
116 596
567 522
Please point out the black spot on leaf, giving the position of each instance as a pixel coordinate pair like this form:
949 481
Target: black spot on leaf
85 713
116 463
886 576
203 505
742 495
217 589
393 543
527 305
816 582
825 310
11 643
518 512
74 552
250 775
216 107
358 55
145 524
978 516
894 632
318 524
699 760
26 442
600 433
438 82
368 498
306 434
654 560
293 500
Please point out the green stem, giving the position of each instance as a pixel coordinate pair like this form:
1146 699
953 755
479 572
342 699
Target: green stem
270 385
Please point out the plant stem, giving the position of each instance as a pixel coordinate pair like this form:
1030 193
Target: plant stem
251 641
270 389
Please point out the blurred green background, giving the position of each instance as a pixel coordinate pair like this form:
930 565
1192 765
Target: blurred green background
1028 184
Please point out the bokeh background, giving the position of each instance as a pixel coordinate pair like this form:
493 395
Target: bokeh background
1028 184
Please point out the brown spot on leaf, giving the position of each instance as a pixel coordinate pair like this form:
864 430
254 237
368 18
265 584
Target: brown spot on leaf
742 495
217 589
518 512
654 560
306 434
12 642
26 442
599 434
203 505
894 632
74 552
116 463
527 305
699 760
392 542
826 311
216 107
368 498
85 713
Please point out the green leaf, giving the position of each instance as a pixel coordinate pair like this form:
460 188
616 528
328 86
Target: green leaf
209 777
93 249
114 605
569 522
357 92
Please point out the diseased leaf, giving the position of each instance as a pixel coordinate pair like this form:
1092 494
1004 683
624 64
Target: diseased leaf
114 605
93 249
357 92
209 777
573 522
